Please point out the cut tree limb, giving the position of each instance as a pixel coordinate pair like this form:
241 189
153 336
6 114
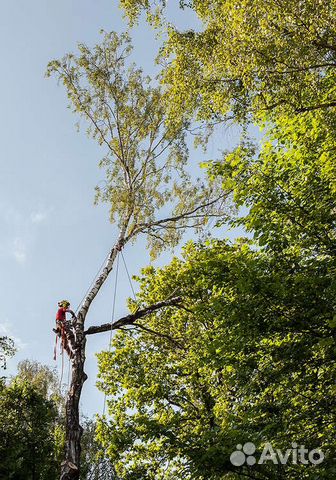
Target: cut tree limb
132 317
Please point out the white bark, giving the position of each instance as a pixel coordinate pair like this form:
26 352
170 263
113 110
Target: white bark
70 468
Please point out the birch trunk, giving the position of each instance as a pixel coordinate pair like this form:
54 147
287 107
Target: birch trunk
70 468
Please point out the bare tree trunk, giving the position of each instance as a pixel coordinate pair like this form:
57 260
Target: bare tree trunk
70 468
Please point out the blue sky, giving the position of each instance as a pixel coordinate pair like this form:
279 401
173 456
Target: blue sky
52 237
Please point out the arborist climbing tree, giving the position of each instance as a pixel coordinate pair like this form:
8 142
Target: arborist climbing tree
147 185
64 328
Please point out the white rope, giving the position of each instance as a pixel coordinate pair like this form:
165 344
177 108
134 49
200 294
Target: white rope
112 319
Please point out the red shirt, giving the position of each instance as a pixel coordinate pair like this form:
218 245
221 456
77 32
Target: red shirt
61 314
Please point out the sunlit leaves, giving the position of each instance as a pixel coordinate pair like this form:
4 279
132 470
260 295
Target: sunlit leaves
288 187
250 58
27 433
145 155
248 356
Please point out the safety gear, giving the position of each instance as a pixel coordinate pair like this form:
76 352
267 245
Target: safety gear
64 303
65 336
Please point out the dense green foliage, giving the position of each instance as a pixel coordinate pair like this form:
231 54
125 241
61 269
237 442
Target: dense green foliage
32 427
249 57
27 421
289 186
250 357
251 352
43 378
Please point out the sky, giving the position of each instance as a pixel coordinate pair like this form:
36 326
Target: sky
53 239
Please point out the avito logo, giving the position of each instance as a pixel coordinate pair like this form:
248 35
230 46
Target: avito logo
245 454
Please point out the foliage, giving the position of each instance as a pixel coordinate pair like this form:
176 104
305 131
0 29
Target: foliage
145 160
250 57
94 465
32 426
27 433
249 354
288 188
43 378
7 349
248 357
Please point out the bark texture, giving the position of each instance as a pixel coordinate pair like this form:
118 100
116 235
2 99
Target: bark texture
70 468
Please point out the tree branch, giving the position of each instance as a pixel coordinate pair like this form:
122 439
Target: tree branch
132 317
190 214
309 108
158 334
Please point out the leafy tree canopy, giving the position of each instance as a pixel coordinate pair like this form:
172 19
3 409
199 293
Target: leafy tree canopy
27 448
288 187
250 57
248 356
146 157
42 377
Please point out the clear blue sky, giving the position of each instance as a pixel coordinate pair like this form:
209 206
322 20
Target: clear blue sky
52 237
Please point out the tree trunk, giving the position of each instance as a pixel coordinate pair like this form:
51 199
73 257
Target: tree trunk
70 468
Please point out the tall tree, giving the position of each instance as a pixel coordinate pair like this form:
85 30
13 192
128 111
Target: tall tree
247 357
27 427
273 63
147 185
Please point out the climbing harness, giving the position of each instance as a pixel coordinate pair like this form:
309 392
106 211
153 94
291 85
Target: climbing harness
64 334
64 346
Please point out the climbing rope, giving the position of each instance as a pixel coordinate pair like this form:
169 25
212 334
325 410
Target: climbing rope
80 303
128 276
112 314
62 367
114 304
112 319
69 368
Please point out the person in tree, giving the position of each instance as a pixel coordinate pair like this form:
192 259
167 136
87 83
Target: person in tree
63 327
